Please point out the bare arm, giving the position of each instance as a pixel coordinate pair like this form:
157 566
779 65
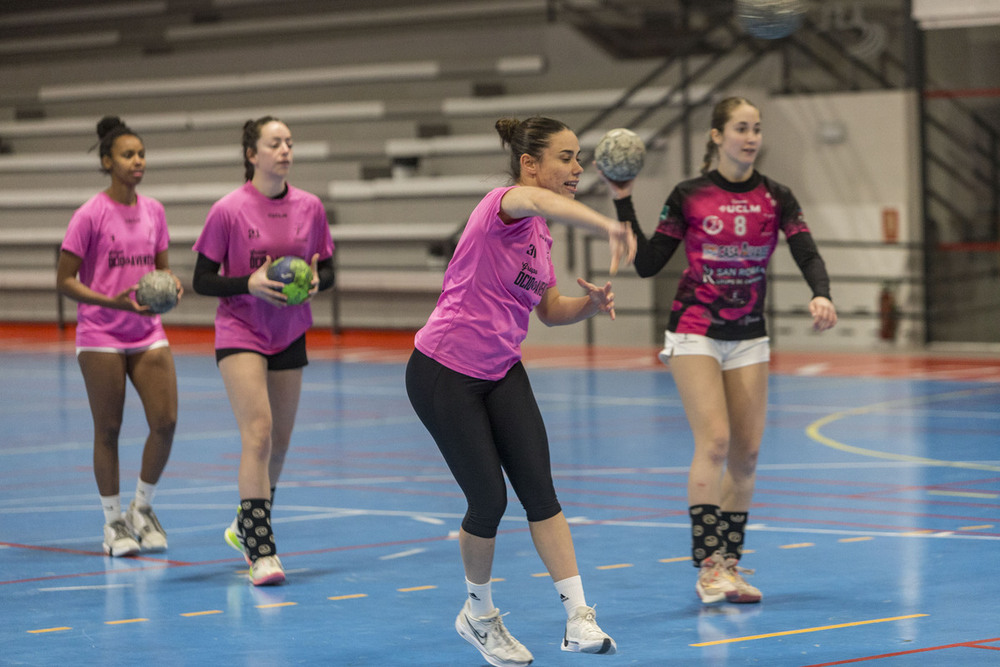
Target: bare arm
555 309
69 285
527 201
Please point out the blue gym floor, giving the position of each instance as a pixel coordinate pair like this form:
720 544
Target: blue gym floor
874 531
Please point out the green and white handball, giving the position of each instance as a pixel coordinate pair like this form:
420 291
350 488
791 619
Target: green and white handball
297 275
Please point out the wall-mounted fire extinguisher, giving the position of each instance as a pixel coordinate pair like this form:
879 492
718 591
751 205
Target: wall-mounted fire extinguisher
888 312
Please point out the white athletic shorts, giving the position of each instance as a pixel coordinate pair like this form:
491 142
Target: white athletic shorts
125 350
729 353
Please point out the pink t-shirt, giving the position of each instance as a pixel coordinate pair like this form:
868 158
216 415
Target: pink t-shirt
495 279
117 244
241 230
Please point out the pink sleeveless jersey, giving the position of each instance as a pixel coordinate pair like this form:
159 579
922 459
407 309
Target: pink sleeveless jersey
241 230
495 279
117 244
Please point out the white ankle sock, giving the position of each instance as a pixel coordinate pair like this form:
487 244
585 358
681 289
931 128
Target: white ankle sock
480 598
144 492
571 593
112 506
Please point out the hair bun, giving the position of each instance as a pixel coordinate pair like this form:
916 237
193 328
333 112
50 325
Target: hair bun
107 124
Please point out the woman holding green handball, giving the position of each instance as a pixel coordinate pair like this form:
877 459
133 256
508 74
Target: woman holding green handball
260 324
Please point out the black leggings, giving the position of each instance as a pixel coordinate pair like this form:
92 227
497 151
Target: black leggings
484 428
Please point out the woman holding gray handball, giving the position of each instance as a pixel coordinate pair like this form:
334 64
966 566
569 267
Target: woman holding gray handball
112 242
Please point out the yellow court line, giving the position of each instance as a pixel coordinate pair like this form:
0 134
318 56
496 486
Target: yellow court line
275 605
415 588
614 567
804 630
540 574
799 545
352 596
35 632
126 620
813 430
681 559
855 539
983 527
202 613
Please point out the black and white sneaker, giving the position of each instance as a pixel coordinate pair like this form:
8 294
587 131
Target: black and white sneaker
118 539
489 635
146 528
584 636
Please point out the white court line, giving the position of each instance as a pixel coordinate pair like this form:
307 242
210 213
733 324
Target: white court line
402 554
944 534
82 588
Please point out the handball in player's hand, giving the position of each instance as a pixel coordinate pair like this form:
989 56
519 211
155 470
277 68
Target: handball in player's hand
297 275
158 290
620 154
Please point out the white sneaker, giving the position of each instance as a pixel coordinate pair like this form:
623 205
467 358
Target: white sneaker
234 538
745 592
584 636
146 527
714 581
118 539
267 571
489 635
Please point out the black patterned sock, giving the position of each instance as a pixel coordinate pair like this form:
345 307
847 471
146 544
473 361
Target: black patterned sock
255 520
736 525
705 539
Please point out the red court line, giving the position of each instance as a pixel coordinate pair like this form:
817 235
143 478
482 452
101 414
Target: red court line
392 345
973 644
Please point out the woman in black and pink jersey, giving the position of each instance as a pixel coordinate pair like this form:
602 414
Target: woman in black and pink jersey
716 341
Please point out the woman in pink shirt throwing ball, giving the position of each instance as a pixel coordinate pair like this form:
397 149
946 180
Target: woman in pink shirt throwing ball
466 382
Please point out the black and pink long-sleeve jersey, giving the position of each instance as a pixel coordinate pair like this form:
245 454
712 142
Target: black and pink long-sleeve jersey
730 231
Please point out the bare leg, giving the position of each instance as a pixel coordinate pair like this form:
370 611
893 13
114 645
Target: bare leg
104 377
700 384
283 390
555 546
245 377
746 398
477 556
155 380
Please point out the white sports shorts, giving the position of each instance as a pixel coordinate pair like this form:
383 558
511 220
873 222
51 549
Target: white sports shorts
729 353
125 350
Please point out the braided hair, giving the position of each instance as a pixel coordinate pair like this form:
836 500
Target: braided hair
251 135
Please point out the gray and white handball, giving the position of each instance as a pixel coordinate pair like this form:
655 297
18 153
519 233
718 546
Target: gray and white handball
620 154
158 290
770 19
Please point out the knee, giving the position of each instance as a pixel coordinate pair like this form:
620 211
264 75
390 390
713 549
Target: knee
164 428
483 515
716 448
257 437
106 434
743 460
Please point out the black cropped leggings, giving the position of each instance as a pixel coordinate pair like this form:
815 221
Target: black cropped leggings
484 428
